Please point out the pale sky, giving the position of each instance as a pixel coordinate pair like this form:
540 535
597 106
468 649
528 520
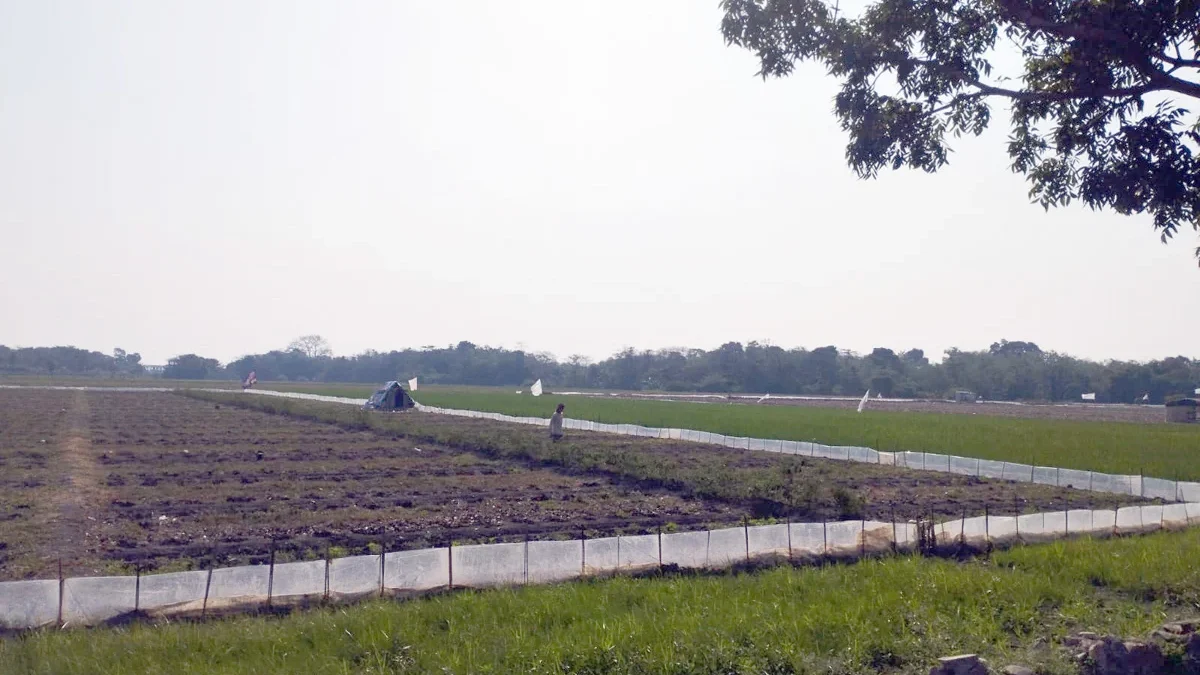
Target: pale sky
220 177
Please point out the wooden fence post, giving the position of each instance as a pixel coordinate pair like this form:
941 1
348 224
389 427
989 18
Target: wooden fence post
207 586
61 585
328 563
789 531
746 529
271 575
382 565
660 548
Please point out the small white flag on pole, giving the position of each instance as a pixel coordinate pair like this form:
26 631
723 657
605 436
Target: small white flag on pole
1089 397
863 403
1145 397
412 384
536 389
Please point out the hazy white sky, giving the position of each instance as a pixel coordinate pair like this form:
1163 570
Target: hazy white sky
220 177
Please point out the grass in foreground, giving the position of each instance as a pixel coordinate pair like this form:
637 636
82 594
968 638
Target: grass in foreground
894 615
1160 450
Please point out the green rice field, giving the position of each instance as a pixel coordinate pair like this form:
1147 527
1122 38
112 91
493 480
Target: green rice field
1160 450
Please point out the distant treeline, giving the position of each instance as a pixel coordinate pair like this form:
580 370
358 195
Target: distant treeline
68 361
1006 371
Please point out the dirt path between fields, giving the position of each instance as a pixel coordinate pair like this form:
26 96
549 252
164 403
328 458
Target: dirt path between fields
81 492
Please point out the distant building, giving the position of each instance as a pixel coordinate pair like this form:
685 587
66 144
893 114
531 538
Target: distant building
154 370
1182 411
964 397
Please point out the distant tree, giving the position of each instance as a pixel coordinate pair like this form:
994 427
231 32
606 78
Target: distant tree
883 357
577 370
312 346
882 385
819 369
625 370
124 362
730 361
714 383
1094 112
1015 348
1013 370
191 367
117 361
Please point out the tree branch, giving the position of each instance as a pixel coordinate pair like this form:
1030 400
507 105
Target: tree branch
1158 80
955 101
1027 15
1162 81
1136 58
1027 95
1179 61
1022 95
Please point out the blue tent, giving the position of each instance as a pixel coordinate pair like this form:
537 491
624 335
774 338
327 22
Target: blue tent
391 397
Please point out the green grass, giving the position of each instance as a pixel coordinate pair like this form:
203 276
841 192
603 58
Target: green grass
1160 450
362 391
895 615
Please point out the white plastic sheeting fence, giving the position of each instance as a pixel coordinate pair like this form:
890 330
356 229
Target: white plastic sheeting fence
95 600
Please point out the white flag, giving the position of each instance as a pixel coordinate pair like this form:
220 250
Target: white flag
536 389
1146 397
1197 390
412 384
863 403
1089 397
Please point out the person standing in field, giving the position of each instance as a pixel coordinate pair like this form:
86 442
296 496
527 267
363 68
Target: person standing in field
556 423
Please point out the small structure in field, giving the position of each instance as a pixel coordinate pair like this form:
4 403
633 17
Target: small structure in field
391 397
1182 411
964 397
